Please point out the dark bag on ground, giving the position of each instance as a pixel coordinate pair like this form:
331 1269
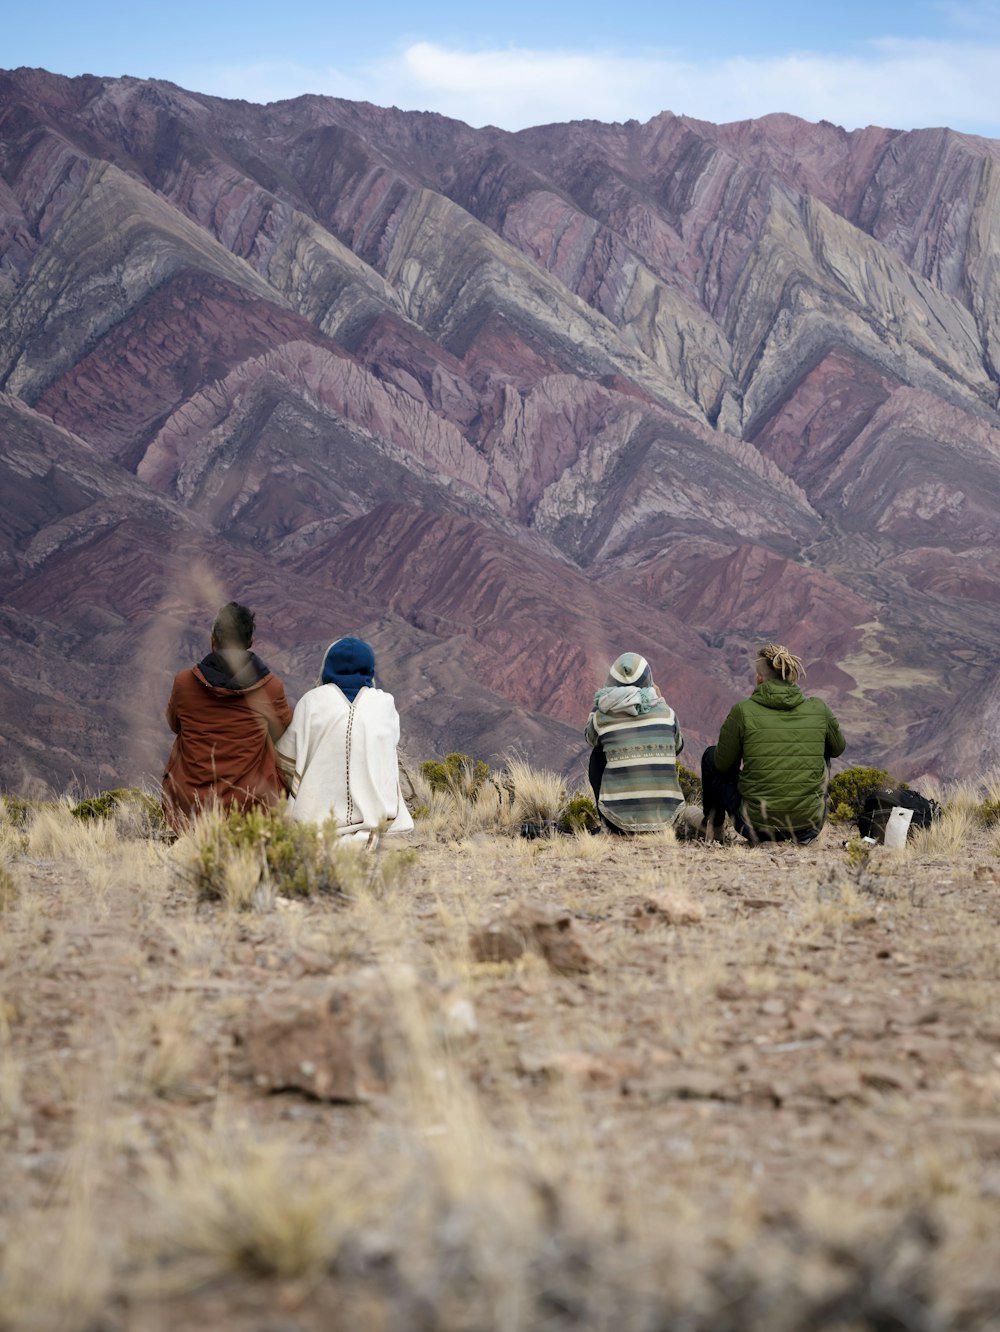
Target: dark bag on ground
879 806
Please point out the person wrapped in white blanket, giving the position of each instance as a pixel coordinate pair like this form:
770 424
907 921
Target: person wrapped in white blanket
339 753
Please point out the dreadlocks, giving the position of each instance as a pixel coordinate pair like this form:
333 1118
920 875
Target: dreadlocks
777 663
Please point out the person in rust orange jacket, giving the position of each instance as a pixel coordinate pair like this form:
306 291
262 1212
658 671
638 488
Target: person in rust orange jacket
227 713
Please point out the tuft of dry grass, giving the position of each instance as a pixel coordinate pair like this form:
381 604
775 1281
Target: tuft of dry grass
581 846
537 796
162 1047
12 838
504 803
454 814
55 1270
950 834
234 1204
11 1081
9 892
52 833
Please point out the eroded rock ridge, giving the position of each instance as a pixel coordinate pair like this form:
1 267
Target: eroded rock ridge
506 404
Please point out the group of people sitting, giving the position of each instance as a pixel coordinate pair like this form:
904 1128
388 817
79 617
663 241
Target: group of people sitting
769 770
238 743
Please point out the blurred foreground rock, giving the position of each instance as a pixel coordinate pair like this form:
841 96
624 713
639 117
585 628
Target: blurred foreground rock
345 1038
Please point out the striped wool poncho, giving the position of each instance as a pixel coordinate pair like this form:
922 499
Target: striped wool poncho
640 738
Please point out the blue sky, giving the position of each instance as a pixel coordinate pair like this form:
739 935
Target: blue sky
515 63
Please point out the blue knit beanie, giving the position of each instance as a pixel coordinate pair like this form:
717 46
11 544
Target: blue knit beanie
349 663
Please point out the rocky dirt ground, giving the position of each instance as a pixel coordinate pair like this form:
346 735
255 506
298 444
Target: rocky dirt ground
503 1084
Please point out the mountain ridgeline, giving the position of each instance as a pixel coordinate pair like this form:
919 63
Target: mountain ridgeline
505 404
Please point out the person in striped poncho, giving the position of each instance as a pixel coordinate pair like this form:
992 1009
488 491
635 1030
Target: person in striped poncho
636 738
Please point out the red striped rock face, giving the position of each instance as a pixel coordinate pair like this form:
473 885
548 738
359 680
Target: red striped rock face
506 404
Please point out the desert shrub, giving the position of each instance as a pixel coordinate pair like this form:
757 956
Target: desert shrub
988 813
579 814
15 810
135 813
244 857
13 834
8 889
690 784
458 773
208 863
848 790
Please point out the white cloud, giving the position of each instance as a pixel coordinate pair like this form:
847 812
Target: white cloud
269 81
897 83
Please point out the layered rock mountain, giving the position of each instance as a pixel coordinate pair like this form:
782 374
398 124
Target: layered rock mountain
506 404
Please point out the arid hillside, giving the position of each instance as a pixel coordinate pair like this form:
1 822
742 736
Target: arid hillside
505 404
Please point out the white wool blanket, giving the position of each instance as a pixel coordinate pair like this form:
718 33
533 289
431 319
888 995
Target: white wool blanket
346 767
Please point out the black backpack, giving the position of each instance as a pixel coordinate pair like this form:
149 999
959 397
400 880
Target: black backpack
879 805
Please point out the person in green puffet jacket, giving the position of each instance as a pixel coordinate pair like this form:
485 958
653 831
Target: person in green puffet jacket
770 769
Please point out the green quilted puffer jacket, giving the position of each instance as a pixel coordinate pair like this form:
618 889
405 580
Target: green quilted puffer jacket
784 741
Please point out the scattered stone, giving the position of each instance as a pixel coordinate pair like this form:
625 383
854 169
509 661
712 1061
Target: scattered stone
886 1077
730 991
804 1022
663 909
326 1038
537 927
835 1082
497 941
338 1039
457 1017
312 963
688 1084
597 1072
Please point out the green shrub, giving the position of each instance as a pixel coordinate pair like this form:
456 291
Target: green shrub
988 813
690 784
579 815
16 810
244 858
297 859
134 813
458 773
848 790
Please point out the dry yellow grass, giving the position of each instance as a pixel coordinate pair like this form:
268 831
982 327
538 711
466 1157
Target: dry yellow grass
231 1203
775 1082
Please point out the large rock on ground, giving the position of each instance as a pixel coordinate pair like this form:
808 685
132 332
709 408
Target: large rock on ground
344 1038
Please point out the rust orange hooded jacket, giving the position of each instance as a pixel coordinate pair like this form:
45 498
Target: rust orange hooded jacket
227 713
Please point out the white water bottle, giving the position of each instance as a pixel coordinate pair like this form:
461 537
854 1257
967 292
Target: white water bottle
897 826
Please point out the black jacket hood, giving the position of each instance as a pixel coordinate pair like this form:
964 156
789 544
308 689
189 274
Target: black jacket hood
234 669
